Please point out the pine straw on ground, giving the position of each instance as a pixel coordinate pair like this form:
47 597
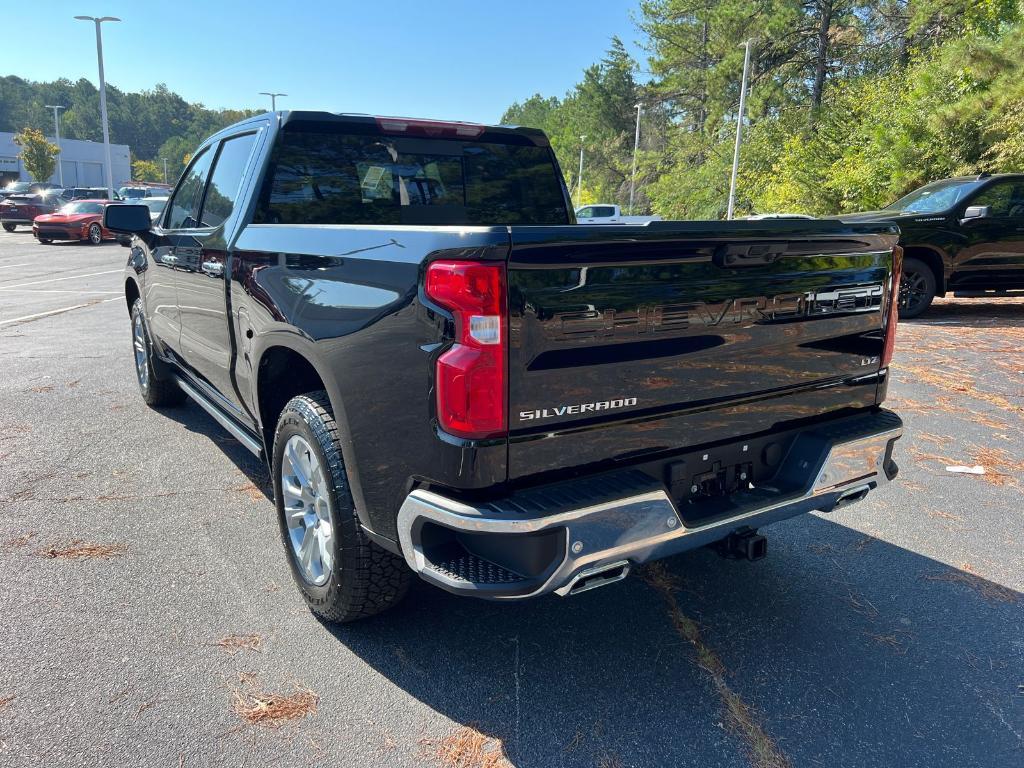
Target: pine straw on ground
989 590
272 710
232 644
469 748
80 550
4 701
763 751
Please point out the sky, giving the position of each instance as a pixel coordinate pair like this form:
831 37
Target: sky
443 59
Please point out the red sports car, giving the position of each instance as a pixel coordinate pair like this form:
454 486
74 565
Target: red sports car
80 220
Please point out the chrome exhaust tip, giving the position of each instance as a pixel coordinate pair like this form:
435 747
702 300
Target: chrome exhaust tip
592 578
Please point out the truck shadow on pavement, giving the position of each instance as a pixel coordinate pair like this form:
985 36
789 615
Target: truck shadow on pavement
846 649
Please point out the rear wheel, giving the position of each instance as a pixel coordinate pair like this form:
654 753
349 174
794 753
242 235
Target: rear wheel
9 227
917 288
155 385
95 234
341 573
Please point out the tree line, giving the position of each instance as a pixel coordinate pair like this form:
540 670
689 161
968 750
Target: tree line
157 124
851 104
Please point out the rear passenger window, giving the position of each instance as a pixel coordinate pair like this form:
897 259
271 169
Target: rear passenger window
189 194
226 180
320 175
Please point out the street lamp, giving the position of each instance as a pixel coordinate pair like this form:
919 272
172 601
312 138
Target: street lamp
739 129
579 180
103 97
273 99
56 130
636 143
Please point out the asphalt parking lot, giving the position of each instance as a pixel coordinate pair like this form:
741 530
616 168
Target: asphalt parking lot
889 633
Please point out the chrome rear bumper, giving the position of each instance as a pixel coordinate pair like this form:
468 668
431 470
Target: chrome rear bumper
600 526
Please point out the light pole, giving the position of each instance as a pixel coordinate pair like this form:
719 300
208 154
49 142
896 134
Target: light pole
56 130
739 128
103 97
273 99
165 169
579 180
636 144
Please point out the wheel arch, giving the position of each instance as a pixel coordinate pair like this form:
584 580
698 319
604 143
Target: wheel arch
285 368
131 293
935 262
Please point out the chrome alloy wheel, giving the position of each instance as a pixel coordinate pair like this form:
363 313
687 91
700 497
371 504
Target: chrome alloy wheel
141 351
307 510
95 234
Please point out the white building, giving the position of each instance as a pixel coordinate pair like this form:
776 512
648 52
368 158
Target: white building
82 162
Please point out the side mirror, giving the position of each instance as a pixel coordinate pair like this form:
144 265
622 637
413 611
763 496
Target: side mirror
127 219
975 212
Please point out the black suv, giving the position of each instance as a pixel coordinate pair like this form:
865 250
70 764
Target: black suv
963 236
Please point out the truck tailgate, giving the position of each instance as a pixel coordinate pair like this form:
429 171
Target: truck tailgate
655 338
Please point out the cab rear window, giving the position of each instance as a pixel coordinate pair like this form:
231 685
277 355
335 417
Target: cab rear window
326 176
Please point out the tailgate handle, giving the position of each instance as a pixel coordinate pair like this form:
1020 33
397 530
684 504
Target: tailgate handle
748 255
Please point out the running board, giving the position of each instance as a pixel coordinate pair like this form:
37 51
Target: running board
236 431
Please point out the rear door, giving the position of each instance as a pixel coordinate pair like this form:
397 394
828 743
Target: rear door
616 334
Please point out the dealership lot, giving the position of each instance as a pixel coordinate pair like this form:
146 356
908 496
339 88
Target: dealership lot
144 592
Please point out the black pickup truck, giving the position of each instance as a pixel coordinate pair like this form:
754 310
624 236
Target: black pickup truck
963 236
447 376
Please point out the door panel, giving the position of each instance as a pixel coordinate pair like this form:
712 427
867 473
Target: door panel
993 255
206 337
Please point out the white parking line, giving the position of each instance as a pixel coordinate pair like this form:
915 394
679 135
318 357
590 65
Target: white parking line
56 311
55 279
8 266
56 290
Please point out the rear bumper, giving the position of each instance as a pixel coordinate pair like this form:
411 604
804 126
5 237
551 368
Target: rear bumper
570 536
20 221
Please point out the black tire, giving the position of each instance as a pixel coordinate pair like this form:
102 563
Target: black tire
155 383
10 227
45 240
917 288
95 236
364 579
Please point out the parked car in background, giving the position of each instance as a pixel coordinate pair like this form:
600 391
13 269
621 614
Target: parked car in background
141 191
86 193
80 220
609 214
21 209
963 236
26 188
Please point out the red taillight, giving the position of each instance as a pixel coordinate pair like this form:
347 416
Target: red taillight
471 375
894 307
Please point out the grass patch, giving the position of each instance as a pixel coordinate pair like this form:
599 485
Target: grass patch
81 550
991 591
764 753
469 748
232 644
272 710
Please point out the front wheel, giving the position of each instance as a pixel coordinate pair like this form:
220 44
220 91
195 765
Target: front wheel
917 288
155 386
342 575
95 234
9 227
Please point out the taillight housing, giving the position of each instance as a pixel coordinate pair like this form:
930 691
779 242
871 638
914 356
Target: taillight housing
894 307
470 376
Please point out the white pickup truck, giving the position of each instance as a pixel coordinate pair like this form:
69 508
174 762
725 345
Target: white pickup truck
609 214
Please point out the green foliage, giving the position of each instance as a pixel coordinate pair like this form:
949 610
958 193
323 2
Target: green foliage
147 170
148 121
38 155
